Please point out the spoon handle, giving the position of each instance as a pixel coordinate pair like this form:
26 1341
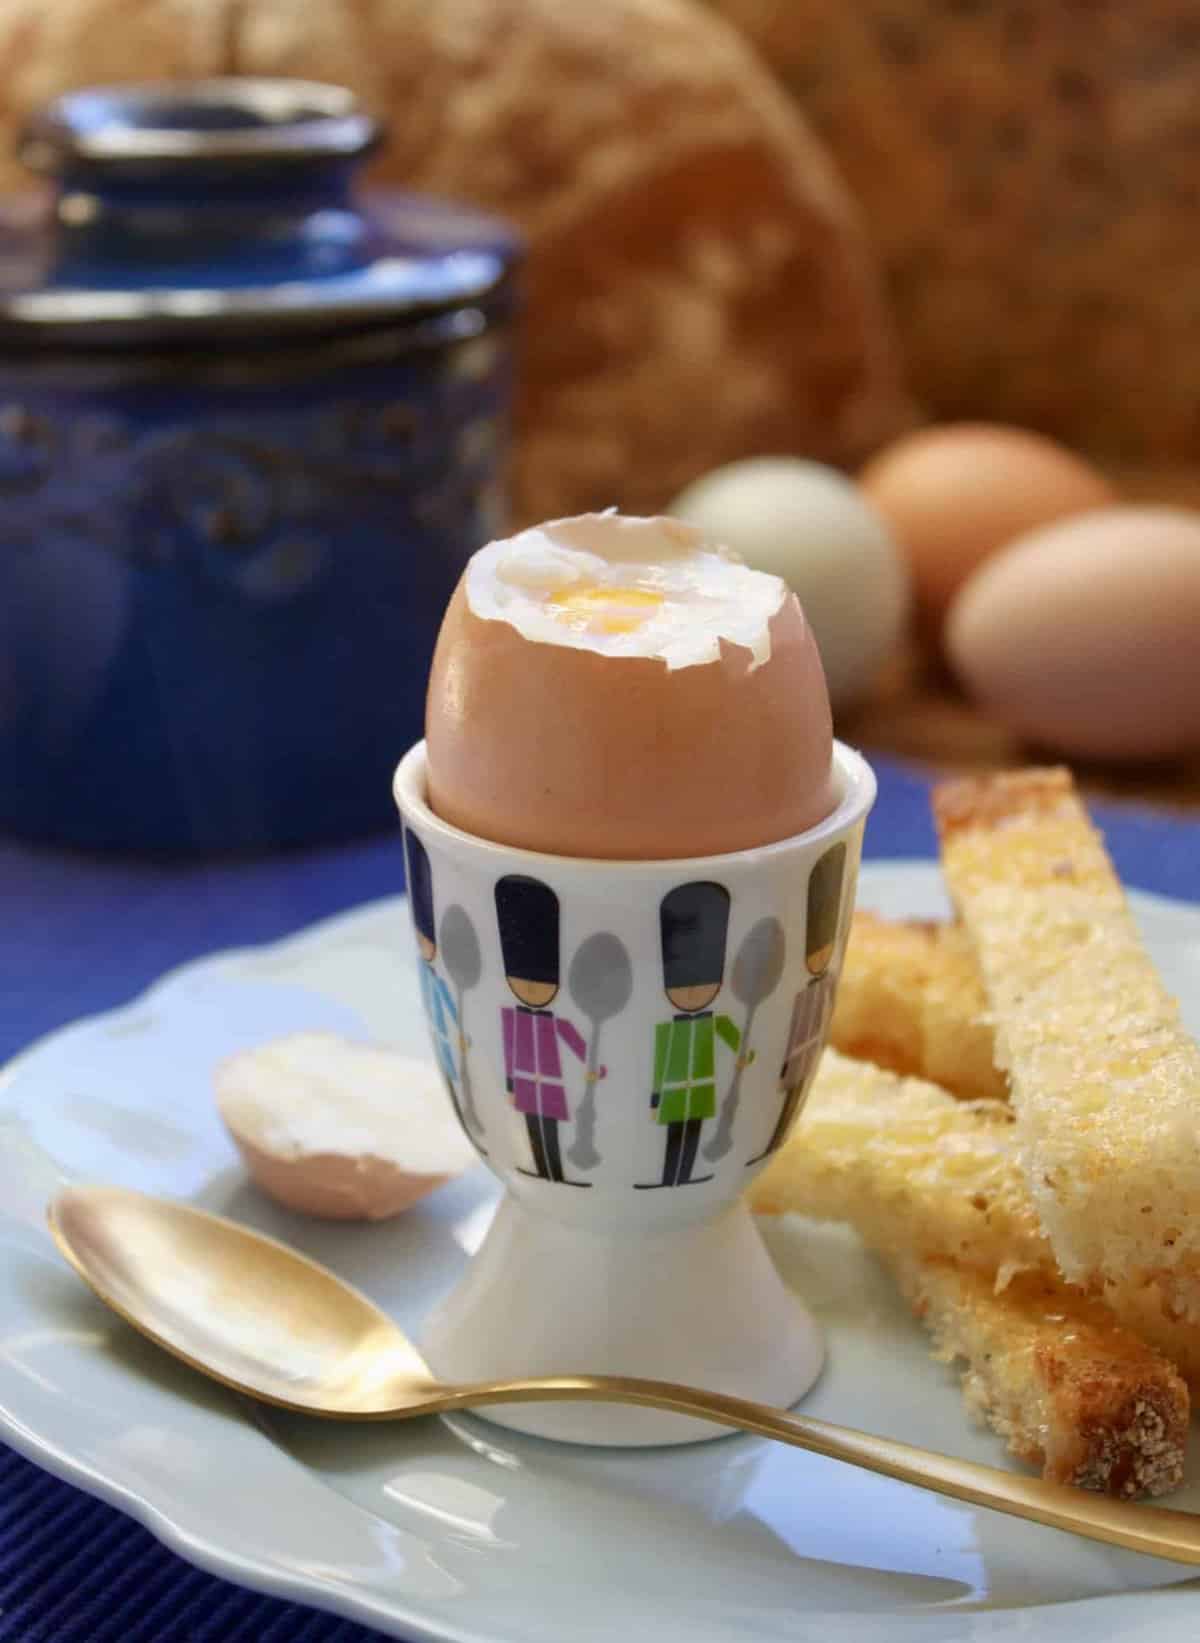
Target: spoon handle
1155 1531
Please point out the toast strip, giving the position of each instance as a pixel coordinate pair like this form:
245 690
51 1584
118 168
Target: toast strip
1139 1308
911 999
1104 1080
1050 1371
934 1185
911 1168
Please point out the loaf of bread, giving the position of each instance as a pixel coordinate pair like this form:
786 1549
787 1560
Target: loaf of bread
1029 176
1104 1079
698 285
910 999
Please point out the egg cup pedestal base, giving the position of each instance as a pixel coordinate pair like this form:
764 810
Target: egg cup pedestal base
700 1303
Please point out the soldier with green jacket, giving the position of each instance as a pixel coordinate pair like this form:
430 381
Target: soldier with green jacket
693 922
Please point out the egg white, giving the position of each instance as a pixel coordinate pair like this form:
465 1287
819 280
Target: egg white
685 594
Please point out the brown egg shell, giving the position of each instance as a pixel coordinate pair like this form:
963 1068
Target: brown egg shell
1085 637
955 495
567 751
334 1186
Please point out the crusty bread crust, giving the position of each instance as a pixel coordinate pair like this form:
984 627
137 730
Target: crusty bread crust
1066 1387
699 287
1104 1080
1144 1309
991 800
969 129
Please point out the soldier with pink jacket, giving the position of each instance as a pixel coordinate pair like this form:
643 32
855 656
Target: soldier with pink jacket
528 917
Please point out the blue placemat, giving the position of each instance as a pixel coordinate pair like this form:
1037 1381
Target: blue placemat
78 935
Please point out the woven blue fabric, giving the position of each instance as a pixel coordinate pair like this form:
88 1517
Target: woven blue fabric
78 935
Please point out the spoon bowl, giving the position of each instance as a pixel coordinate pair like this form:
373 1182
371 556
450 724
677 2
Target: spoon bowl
263 1319
238 1306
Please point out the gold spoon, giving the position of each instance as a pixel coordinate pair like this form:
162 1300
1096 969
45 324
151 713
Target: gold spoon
261 1318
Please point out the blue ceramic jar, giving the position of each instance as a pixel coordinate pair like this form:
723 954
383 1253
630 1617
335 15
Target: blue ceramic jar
251 427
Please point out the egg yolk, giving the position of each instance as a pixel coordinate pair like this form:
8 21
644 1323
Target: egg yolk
604 609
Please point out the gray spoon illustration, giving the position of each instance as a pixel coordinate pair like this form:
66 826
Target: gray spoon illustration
757 970
459 947
600 981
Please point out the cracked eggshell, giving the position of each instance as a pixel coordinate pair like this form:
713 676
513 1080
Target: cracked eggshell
340 1130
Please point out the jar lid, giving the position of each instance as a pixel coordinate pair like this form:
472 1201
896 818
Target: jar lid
197 208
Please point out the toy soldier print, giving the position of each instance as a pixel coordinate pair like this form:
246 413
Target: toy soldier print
693 923
440 1009
527 915
814 1003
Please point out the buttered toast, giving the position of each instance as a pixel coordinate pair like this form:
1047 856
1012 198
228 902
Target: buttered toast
1104 1081
910 998
936 1192
1048 1369
909 1167
934 1185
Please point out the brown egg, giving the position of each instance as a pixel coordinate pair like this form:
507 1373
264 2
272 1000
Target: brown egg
1085 636
546 743
954 495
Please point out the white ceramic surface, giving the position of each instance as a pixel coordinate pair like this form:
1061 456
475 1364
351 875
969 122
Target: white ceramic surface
457 1531
629 1041
702 1303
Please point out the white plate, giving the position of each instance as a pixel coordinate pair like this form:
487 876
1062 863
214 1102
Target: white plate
458 1531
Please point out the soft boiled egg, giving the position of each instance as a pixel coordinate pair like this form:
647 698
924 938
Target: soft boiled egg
622 687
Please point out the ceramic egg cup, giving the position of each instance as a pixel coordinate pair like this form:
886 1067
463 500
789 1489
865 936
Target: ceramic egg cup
626 1043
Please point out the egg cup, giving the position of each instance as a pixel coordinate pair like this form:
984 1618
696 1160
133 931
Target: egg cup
626 1043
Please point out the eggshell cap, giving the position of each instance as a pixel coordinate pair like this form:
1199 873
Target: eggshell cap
337 1129
335 1186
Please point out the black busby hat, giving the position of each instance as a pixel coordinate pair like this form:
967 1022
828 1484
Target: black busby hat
825 900
694 920
527 913
420 885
